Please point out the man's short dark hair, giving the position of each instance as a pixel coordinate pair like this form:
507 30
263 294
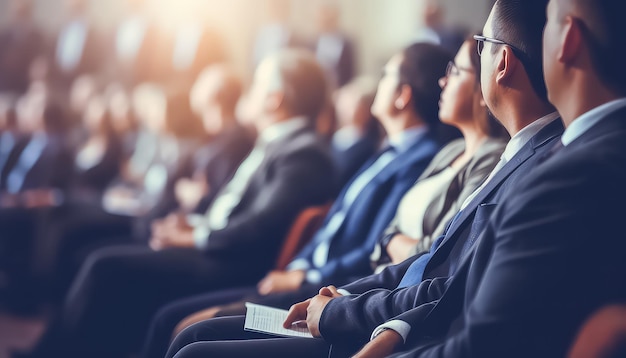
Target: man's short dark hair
604 30
520 23
422 66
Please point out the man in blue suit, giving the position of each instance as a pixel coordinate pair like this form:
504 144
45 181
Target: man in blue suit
349 322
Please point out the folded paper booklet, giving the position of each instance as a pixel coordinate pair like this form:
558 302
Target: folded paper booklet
270 320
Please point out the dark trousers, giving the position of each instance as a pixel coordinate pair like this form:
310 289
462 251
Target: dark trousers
120 288
233 302
225 337
168 317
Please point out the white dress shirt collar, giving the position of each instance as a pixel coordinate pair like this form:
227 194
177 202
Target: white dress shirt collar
586 121
522 137
283 129
403 141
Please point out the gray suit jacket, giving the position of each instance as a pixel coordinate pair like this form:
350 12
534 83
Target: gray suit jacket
443 208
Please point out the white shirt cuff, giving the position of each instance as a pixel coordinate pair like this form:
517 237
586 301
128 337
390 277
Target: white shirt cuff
299 264
201 236
313 276
343 292
195 220
400 327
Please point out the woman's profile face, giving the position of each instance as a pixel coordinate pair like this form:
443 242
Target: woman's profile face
460 88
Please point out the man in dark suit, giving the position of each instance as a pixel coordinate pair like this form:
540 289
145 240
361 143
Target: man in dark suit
235 243
349 321
519 292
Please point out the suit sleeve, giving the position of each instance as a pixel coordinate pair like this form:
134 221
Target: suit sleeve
531 296
299 179
389 278
356 317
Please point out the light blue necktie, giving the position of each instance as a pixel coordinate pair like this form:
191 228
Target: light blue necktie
415 273
320 255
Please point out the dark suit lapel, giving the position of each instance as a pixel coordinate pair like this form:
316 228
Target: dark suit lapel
282 145
550 131
423 149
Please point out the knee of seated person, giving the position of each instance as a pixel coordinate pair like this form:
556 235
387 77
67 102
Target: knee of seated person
195 349
101 262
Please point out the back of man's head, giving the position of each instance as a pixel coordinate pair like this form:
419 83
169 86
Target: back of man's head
604 28
520 23
303 82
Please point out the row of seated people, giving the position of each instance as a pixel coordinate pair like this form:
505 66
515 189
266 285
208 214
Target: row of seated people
119 163
508 277
484 276
407 191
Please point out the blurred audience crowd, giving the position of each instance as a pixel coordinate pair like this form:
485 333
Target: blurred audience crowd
147 190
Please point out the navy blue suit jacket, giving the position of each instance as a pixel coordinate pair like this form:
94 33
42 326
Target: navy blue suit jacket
360 315
52 169
551 255
370 214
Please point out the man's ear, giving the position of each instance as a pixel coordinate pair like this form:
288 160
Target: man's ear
403 98
507 63
571 39
274 101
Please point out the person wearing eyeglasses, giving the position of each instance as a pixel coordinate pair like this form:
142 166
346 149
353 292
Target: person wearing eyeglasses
391 310
553 252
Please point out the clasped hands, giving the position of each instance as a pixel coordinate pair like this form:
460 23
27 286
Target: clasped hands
170 232
311 311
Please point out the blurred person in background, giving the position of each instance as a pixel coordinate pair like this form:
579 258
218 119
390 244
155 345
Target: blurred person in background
123 119
214 99
12 140
77 48
433 28
36 184
132 46
99 156
275 33
235 242
188 48
21 42
359 134
333 48
142 184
